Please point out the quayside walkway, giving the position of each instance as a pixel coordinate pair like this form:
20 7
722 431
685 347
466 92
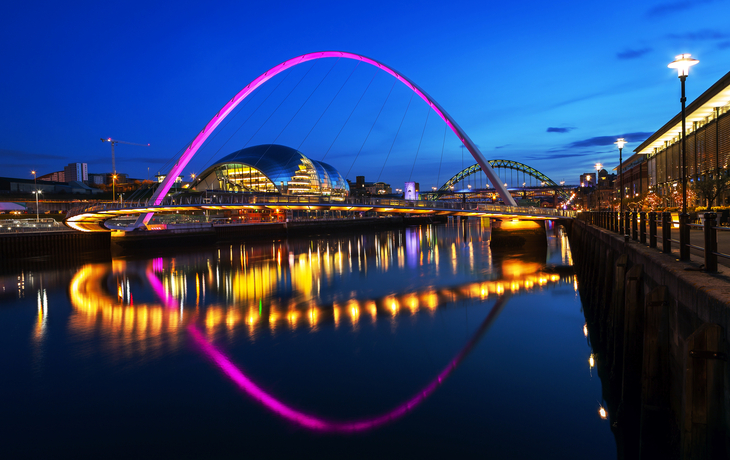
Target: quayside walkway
92 218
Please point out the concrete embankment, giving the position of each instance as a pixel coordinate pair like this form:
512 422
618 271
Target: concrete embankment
17 247
658 328
39 244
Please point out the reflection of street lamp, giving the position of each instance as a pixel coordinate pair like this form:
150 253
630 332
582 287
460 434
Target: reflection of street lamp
37 214
598 167
682 63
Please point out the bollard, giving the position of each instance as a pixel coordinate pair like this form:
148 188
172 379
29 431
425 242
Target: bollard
666 232
620 223
710 242
611 221
703 431
683 236
634 226
642 227
652 229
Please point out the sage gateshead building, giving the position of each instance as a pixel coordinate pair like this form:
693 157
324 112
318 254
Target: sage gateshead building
272 169
659 158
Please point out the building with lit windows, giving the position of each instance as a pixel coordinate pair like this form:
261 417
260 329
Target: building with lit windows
272 168
708 148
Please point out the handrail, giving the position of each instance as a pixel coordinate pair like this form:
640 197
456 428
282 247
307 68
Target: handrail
615 223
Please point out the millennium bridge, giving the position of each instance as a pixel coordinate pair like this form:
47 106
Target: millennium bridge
93 218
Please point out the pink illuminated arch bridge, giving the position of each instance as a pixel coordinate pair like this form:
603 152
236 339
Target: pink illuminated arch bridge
195 145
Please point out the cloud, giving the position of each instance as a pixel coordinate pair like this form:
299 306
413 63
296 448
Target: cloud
632 54
560 130
669 8
501 146
608 140
701 35
724 45
557 156
18 154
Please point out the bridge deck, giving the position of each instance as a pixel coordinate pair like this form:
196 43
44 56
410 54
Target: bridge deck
92 218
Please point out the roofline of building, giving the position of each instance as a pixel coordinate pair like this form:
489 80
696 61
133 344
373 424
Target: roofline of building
703 98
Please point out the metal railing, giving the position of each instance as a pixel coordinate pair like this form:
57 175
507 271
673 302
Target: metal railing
223 200
633 225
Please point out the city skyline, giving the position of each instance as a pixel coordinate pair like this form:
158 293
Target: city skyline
552 87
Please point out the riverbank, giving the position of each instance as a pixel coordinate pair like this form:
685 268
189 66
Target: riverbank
658 328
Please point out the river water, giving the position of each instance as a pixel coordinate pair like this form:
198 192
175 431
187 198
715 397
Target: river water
411 343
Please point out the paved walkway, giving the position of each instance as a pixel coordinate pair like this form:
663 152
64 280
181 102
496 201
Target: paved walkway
696 237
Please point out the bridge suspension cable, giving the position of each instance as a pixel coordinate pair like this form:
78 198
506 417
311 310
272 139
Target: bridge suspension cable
246 91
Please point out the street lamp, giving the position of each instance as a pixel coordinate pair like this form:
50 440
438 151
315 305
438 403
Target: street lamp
621 142
35 183
114 182
37 213
598 167
682 63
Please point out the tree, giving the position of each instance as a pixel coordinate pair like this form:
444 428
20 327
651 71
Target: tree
710 189
678 197
652 201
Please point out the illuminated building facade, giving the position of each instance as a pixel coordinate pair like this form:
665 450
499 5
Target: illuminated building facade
708 145
272 168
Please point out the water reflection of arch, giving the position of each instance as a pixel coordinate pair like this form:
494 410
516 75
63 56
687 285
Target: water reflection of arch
89 295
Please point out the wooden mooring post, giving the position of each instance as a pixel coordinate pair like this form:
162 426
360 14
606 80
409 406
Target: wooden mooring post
616 335
703 431
656 415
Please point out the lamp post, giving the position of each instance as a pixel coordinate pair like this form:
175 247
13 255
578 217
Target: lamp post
114 182
620 143
35 182
37 213
682 63
598 167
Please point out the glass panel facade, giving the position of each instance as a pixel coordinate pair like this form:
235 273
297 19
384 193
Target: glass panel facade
273 168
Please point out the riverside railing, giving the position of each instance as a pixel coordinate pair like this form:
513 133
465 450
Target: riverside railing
633 225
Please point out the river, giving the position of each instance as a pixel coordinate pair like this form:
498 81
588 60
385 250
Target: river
412 343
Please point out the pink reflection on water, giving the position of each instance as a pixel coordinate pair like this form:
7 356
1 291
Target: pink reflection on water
311 421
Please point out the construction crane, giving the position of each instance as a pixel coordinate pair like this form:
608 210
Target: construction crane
113 142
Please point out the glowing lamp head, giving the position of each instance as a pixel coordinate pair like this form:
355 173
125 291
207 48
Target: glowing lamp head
682 63
620 142
598 166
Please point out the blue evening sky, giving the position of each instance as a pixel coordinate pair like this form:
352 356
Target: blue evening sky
549 84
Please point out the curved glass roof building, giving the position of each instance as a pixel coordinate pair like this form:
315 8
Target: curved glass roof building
272 168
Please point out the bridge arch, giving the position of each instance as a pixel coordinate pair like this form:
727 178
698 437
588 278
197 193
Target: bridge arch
196 143
505 164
